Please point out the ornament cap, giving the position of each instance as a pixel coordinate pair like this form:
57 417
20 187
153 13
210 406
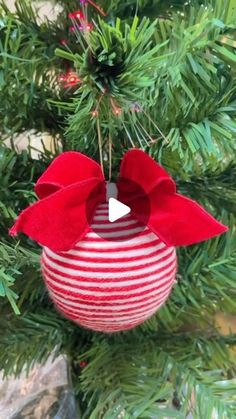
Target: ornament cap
112 191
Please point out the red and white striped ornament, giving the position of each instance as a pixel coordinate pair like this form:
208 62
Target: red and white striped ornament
111 276
111 285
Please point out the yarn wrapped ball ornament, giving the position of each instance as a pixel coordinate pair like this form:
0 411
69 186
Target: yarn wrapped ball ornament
106 276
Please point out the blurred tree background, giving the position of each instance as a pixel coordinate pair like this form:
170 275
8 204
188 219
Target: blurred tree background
161 75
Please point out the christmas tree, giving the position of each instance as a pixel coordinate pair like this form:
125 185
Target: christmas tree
101 78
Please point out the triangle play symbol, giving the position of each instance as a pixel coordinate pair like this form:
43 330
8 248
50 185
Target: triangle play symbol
117 210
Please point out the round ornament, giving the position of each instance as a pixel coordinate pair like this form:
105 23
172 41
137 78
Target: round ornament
111 285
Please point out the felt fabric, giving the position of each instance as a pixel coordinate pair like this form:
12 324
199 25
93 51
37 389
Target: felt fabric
62 216
177 220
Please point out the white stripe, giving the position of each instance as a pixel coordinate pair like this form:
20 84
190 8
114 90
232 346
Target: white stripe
115 234
118 255
111 320
111 226
92 324
120 316
113 284
103 275
92 265
135 309
102 205
104 216
149 237
102 208
107 328
115 293
101 324
114 306
101 217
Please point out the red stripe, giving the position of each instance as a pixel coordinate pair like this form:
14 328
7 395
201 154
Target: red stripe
104 290
111 320
169 269
98 239
98 259
108 329
115 229
109 305
103 280
107 318
97 308
117 237
104 324
105 297
107 313
119 223
104 327
111 269
103 259
119 249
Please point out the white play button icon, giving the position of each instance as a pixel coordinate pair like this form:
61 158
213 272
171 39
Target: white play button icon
117 210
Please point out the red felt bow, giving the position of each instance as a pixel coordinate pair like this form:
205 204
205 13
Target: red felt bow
62 215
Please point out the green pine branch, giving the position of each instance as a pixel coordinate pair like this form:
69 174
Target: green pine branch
142 375
154 379
174 79
185 83
28 71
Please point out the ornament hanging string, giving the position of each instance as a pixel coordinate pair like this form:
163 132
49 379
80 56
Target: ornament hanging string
100 144
156 126
99 9
82 30
110 156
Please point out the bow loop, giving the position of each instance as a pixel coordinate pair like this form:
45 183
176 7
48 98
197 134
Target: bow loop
60 220
145 172
62 215
68 168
